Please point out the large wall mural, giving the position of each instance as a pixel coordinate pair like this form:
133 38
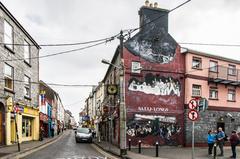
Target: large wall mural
164 127
153 43
156 85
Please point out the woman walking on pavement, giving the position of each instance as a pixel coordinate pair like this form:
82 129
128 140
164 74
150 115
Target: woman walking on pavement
234 140
211 140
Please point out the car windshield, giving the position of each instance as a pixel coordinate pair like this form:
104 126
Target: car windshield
84 130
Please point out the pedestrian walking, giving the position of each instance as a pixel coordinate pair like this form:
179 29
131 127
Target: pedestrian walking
41 133
234 140
52 130
220 140
211 139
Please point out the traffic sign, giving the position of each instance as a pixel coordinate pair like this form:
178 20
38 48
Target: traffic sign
193 115
192 104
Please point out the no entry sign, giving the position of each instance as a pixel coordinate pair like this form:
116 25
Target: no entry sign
192 104
193 115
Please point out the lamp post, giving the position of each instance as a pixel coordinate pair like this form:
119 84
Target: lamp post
122 107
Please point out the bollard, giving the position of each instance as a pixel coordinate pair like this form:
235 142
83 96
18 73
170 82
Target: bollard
129 144
139 146
214 151
156 149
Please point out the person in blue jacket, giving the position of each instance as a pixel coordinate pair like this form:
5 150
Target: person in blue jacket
211 140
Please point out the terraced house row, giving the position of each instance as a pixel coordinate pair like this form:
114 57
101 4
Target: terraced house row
160 78
35 103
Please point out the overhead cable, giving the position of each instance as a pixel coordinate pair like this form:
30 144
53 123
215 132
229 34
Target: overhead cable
59 53
53 84
61 44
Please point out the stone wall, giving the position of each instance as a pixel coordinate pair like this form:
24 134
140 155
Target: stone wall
211 120
20 67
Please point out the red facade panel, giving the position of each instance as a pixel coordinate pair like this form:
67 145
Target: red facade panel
155 100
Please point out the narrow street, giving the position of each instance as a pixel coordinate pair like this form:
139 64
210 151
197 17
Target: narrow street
67 148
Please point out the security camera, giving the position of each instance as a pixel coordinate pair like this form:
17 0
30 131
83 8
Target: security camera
229 115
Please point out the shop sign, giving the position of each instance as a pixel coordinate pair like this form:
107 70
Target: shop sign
152 109
86 118
20 109
30 111
43 117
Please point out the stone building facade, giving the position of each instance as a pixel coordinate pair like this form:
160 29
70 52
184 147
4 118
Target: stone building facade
19 75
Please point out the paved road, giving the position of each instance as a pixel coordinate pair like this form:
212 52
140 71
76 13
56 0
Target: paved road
67 148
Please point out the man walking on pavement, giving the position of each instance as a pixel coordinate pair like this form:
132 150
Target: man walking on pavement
234 140
220 140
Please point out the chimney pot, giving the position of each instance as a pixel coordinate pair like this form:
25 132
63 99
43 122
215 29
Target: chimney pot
151 5
147 3
155 5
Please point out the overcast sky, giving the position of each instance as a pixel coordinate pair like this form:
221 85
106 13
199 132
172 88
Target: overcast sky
67 21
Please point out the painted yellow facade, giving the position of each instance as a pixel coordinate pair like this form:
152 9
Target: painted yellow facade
27 124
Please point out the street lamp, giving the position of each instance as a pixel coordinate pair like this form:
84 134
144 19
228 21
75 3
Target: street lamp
109 63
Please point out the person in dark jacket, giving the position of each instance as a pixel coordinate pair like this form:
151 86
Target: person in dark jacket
234 140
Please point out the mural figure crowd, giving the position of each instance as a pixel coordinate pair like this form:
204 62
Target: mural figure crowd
145 125
157 86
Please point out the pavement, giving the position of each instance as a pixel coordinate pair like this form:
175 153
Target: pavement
11 151
166 152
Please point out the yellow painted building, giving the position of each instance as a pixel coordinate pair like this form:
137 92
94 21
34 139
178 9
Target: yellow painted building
27 124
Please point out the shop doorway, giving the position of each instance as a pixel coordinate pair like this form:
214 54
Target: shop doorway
2 112
222 125
13 131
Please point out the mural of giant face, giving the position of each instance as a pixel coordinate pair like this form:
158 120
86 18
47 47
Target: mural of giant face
153 44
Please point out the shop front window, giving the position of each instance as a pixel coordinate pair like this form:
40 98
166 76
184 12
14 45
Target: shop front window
26 127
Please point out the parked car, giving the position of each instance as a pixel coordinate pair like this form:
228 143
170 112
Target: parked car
83 134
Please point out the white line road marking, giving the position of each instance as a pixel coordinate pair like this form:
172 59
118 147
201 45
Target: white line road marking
107 155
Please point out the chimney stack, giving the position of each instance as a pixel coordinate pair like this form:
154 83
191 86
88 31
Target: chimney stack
151 11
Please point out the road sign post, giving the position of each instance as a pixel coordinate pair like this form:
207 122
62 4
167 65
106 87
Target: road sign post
193 116
193 156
